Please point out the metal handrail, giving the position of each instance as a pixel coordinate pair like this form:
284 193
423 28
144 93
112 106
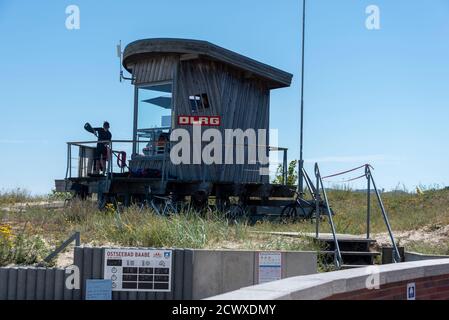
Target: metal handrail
312 190
75 237
165 172
370 178
319 183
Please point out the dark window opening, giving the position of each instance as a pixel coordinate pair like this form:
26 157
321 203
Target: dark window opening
199 102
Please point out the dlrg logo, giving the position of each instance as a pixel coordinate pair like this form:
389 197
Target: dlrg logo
199 120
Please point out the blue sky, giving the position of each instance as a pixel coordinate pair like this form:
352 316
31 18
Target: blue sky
377 96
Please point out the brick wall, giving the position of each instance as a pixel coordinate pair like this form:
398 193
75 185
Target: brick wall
427 288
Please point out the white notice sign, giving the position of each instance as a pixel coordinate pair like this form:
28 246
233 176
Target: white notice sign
138 269
270 266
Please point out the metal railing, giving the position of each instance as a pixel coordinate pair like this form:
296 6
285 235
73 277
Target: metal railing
73 238
319 185
370 181
86 157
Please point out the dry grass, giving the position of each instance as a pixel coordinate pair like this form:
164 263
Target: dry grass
133 228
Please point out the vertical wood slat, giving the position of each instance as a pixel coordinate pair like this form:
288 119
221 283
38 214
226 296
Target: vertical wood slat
12 283
115 295
59 284
155 69
132 295
78 261
150 296
3 283
188 275
87 270
123 295
31 283
31 280
49 284
40 283
21 284
68 293
97 259
141 296
177 275
241 102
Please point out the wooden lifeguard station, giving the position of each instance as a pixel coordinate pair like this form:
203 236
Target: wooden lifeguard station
183 81
179 83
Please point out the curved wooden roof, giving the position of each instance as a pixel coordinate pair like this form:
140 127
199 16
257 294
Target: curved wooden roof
275 78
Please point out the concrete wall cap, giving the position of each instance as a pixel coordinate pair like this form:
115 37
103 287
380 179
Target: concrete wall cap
320 286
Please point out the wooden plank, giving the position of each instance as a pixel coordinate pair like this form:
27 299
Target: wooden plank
59 284
87 270
49 284
178 274
3 283
97 263
78 261
12 283
68 293
21 284
40 283
188 275
274 78
31 279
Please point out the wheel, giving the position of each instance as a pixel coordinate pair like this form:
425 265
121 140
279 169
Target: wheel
289 212
101 201
234 211
199 202
117 205
222 204
67 202
169 208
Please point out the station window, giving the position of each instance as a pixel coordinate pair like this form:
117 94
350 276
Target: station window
154 118
199 102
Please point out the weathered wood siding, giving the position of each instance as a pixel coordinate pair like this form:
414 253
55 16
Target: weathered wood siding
137 50
155 68
241 103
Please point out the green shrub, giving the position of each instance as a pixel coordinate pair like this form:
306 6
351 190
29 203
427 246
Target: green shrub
21 249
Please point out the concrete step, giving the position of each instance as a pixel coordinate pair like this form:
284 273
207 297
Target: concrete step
353 253
345 239
348 243
357 258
